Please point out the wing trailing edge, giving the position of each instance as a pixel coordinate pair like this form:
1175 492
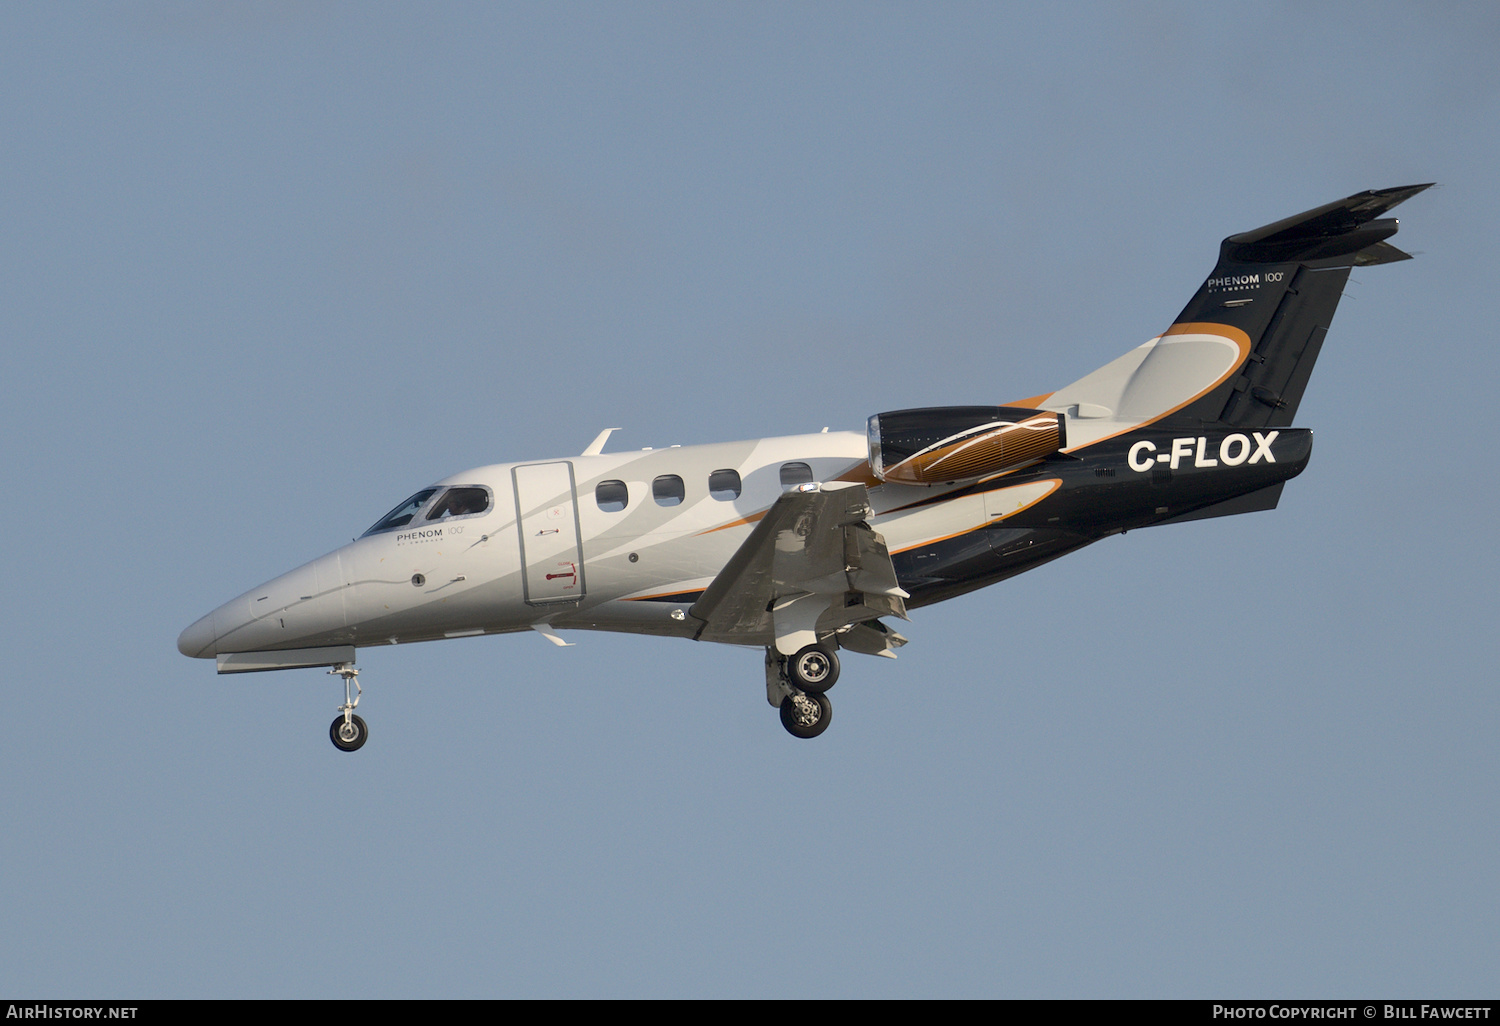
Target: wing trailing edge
812 567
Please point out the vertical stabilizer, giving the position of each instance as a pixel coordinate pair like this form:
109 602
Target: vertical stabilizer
1279 285
1243 348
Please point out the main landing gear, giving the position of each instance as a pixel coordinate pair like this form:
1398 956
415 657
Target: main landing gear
348 731
815 668
796 685
806 715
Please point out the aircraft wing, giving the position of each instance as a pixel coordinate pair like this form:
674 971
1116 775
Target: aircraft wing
812 566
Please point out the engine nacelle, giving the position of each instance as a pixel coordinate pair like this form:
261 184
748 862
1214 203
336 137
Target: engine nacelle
958 444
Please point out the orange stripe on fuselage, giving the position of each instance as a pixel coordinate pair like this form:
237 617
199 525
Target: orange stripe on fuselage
1034 401
665 595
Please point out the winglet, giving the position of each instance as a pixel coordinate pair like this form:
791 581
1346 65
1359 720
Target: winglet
597 445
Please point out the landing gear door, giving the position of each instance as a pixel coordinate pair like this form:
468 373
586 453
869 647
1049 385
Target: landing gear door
551 553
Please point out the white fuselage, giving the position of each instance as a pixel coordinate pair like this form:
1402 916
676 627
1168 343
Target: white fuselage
547 552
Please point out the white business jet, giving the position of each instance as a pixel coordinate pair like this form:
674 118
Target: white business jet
804 545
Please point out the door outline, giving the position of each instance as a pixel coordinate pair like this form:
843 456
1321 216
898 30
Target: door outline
546 568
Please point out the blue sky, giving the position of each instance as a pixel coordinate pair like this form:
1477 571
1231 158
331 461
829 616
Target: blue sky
271 267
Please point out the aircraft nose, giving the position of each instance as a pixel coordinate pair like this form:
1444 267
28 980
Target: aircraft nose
198 640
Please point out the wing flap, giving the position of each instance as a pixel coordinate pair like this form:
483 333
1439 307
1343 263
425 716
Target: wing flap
811 566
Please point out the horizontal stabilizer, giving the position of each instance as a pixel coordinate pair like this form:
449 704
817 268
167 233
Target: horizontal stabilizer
1342 228
1380 253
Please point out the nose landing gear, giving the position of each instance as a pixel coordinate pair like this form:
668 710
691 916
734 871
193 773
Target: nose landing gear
348 731
348 734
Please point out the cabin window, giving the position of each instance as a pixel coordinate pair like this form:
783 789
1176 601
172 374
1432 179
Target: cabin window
402 514
612 496
794 474
724 485
460 502
668 490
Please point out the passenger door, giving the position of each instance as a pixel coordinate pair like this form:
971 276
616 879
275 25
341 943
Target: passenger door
551 551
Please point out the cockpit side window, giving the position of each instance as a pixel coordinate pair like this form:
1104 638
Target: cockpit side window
402 514
465 501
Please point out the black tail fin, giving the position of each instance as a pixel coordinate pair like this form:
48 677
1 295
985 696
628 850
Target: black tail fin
1280 285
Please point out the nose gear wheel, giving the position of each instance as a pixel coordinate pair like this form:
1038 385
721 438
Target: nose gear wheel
348 732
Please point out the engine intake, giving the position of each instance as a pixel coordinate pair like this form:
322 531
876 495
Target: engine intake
959 444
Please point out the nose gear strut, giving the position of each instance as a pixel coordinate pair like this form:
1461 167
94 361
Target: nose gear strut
348 731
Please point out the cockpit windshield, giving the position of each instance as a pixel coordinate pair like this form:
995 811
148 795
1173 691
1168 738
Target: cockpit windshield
460 502
402 514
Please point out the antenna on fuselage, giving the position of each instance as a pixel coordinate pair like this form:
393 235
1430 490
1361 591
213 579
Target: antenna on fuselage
597 445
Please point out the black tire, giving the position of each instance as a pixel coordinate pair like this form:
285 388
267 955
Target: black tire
796 723
813 669
361 734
